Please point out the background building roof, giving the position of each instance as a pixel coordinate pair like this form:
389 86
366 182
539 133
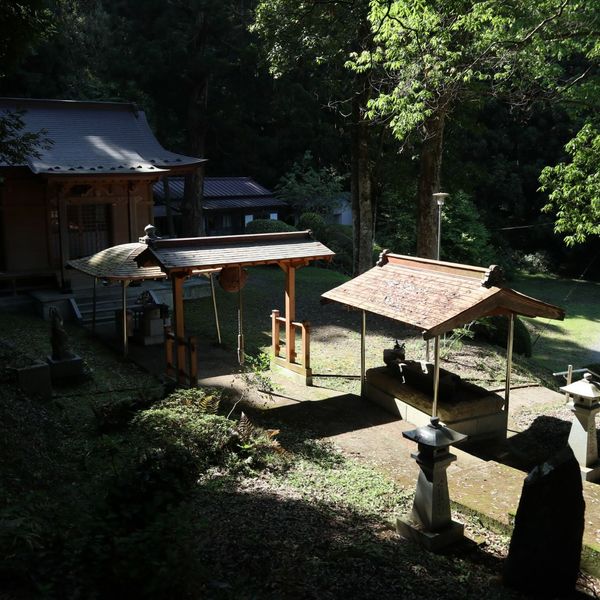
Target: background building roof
93 138
220 193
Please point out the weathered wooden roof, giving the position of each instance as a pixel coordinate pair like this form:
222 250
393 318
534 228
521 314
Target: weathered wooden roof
93 138
435 296
116 264
186 254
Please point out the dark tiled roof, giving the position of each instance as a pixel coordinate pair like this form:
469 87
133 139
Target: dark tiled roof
220 193
94 138
434 296
186 254
214 188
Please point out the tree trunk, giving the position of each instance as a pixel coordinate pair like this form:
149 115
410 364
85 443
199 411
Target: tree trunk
429 182
191 209
362 202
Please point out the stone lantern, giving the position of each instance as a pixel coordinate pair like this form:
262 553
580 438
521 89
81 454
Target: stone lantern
430 522
582 438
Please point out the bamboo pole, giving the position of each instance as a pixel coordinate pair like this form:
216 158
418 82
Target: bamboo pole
215 309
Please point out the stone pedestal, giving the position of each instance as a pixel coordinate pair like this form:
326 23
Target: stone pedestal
430 522
35 380
66 369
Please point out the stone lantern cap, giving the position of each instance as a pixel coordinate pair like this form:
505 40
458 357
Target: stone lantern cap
434 434
583 388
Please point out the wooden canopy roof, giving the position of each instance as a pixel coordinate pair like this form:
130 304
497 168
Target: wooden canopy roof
435 296
116 264
188 254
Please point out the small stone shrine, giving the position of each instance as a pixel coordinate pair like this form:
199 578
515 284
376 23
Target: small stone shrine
582 438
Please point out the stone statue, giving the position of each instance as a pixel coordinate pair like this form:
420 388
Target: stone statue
58 337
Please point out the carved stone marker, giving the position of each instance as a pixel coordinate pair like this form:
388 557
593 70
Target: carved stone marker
64 364
545 547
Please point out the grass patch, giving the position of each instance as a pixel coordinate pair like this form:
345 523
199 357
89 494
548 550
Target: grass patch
576 340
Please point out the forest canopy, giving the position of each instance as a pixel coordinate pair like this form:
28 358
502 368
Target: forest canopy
493 103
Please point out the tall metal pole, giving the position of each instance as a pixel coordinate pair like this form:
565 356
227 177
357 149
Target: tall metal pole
124 300
215 309
436 375
509 353
240 349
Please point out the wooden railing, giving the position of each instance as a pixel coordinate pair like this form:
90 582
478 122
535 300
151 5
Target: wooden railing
182 358
291 354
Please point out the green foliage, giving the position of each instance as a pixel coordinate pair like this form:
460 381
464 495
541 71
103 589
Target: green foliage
574 188
465 238
397 221
268 226
495 331
309 189
313 221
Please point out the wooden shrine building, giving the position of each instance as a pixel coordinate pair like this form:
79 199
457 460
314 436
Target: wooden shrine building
181 258
88 187
436 297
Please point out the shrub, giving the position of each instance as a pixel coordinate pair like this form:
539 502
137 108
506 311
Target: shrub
313 221
495 331
268 226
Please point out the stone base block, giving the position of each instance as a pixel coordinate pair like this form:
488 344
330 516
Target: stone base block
35 380
590 473
433 541
62 371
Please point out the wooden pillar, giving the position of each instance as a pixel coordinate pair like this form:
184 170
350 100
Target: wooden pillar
177 280
134 234
290 313
275 332
63 236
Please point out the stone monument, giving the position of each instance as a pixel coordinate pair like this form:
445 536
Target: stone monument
582 438
430 523
64 364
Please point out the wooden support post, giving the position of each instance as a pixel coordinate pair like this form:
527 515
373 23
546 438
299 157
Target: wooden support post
177 280
63 239
306 345
290 313
275 332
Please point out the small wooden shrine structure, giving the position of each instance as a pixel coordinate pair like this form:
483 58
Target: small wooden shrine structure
180 258
436 297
